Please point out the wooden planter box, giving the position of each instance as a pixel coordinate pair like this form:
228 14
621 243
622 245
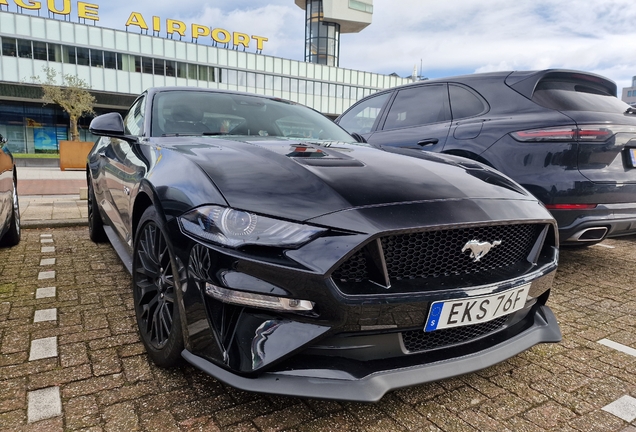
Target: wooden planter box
73 154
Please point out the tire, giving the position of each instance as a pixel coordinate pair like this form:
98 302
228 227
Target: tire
155 292
12 236
95 223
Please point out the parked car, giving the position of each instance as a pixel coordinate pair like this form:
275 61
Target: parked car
561 134
274 252
9 205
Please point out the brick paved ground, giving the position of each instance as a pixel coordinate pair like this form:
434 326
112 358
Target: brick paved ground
49 181
106 382
52 187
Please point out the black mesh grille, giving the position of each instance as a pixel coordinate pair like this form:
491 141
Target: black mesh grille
434 254
419 340
353 270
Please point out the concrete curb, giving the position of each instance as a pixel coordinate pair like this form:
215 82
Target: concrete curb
53 223
37 163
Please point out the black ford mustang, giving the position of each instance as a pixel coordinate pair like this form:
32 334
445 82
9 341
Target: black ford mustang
271 250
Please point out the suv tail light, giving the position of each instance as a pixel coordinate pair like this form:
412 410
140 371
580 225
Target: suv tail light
570 206
588 133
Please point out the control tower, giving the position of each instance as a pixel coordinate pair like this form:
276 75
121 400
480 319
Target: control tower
325 20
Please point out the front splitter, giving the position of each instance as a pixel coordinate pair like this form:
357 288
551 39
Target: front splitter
372 387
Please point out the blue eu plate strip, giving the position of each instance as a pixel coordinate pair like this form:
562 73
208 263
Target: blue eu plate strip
433 316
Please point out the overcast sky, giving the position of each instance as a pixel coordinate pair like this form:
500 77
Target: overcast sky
446 37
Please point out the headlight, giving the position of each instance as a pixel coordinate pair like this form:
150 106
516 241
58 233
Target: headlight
235 228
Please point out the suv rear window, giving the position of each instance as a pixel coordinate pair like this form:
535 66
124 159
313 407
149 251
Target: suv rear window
576 96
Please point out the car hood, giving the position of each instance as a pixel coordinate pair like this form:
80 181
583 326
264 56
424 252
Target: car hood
300 180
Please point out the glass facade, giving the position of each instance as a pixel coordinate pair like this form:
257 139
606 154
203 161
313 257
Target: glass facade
118 64
322 39
12 47
34 128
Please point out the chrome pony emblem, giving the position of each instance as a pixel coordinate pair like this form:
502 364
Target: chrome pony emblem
479 249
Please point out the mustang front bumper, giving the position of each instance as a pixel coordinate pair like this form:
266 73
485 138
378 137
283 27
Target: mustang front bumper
330 384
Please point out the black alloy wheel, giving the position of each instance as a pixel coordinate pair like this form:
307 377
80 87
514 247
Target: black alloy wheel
95 224
12 236
154 292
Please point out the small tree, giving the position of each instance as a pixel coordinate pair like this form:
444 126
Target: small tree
72 95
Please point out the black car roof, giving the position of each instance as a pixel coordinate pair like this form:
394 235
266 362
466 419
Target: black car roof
523 82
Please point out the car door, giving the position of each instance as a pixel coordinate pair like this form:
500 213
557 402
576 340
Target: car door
468 110
124 171
418 117
6 185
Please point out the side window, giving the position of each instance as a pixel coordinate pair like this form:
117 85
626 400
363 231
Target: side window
418 106
361 117
134 121
465 103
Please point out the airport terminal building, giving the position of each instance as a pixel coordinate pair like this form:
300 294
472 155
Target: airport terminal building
117 65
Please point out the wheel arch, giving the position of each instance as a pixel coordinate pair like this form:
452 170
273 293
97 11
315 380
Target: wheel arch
143 200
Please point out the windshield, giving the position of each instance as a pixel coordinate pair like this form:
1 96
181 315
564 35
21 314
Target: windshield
208 113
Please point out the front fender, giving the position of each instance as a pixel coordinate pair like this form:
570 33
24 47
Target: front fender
175 184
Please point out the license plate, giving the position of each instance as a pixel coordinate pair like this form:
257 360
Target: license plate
632 154
475 310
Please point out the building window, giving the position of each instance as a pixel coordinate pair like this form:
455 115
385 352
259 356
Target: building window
126 62
361 6
192 71
9 47
242 78
55 52
231 76
170 68
83 56
39 50
146 65
322 39
69 55
203 73
110 60
97 58
24 49
182 70
629 93
159 67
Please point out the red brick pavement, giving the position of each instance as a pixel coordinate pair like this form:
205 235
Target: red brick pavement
50 187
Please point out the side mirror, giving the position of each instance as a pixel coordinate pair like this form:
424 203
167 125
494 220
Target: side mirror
3 140
110 124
